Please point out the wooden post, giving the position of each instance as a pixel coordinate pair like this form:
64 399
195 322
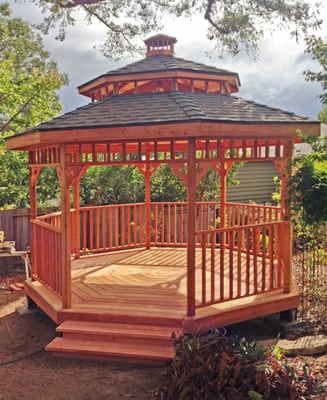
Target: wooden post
34 174
77 227
65 231
147 176
285 251
285 230
191 216
223 195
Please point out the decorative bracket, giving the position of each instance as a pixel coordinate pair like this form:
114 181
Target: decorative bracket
72 173
34 174
142 168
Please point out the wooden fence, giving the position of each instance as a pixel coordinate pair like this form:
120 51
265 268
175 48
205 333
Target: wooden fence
15 224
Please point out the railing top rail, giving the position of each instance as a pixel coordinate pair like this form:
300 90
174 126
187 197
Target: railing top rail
254 205
85 208
112 205
45 225
45 216
239 227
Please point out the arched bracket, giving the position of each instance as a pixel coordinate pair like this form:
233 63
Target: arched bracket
34 174
223 167
282 166
143 169
72 173
202 168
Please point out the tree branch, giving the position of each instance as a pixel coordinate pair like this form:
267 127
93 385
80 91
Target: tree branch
76 3
109 26
3 128
207 16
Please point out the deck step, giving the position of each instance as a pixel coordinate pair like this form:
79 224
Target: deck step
111 351
135 343
108 329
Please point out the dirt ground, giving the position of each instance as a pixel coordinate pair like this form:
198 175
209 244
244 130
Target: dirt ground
28 372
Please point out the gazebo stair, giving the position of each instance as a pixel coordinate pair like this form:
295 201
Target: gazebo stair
142 344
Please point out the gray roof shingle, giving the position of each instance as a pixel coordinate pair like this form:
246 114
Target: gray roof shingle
163 62
168 107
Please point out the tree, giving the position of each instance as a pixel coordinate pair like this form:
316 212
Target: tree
233 25
28 84
112 185
309 184
309 179
323 115
317 47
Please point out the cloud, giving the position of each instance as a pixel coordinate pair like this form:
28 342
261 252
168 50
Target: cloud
275 79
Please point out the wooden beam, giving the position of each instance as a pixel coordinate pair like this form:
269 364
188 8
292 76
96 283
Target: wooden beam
34 174
147 177
65 231
76 231
103 80
178 130
191 218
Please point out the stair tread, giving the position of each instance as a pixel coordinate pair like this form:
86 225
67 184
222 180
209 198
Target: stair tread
111 349
108 328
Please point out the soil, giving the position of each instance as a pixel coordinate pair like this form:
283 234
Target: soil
28 372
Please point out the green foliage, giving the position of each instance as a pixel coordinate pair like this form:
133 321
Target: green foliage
232 25
276 195
166 186
28 84
213 366
112 185
317 47
323 115
308 188
310 261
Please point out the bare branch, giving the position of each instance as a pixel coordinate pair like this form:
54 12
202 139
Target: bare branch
207 16
76 3
4 127
109 26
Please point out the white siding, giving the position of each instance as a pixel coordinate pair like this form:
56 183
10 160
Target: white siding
256 183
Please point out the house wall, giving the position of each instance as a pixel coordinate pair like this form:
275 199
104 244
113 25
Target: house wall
256 183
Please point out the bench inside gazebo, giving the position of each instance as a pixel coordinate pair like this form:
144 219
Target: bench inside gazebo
122 281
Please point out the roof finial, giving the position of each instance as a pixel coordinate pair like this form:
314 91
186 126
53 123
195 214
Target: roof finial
160 44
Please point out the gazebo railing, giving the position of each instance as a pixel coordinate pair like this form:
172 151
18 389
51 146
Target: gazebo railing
112 227
46 253
117 227
241 261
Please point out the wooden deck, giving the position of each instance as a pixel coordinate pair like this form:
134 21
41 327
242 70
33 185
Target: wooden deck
136 284
122 291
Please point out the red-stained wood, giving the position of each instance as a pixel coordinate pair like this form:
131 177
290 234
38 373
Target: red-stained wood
191 218
66 227
246 135
149 287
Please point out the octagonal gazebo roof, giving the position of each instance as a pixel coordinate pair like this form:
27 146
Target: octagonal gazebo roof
163 92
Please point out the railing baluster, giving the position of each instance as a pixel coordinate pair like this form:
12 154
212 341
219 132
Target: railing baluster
203 272
246 252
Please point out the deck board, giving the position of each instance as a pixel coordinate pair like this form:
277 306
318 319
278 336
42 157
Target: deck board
146 278
143 285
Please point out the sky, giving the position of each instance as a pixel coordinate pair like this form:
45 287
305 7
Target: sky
275 79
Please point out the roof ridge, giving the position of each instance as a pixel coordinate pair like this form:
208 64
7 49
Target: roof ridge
268 107
187 104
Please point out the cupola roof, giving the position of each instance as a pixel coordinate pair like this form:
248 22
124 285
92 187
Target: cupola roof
161 71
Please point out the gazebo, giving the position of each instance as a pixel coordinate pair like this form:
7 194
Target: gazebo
122 280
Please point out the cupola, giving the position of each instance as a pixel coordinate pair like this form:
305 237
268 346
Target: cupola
161 71
160 44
